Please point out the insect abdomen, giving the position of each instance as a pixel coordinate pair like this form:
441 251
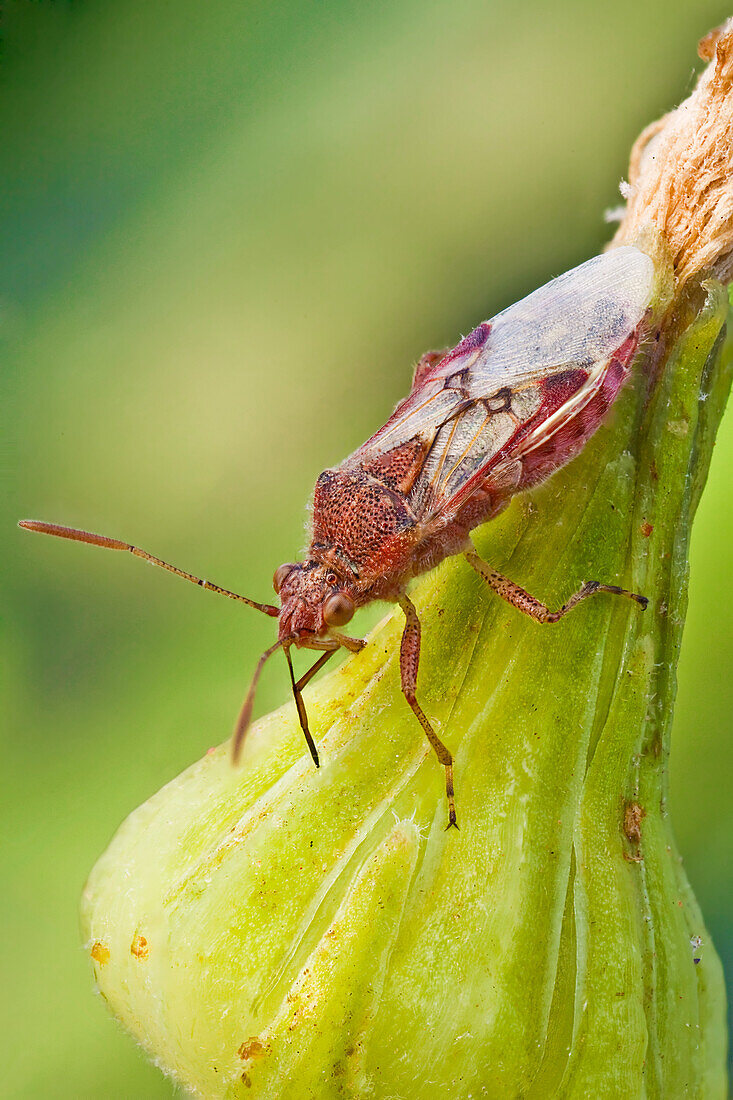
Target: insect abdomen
568 440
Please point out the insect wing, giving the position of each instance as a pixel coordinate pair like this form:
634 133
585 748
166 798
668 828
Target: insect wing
487 398
577 320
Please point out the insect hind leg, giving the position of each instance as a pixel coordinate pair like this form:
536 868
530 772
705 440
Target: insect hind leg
409 663
521 599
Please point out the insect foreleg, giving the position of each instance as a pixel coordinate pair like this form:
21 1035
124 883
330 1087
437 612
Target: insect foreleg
409 663
354 645
308 676
529 605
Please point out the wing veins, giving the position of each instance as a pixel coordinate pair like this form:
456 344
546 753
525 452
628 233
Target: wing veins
476 435
413 412
436 476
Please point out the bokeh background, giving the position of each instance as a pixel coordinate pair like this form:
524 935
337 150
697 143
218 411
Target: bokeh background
227 230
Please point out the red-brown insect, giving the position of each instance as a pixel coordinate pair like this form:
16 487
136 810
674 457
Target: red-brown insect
514 401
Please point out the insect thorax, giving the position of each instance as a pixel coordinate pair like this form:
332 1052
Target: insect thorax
361 526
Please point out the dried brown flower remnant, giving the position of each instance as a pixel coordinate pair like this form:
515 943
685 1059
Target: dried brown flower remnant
707 44
679 172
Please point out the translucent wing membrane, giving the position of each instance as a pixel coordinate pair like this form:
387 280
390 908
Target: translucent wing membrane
577 319
524 373
464 445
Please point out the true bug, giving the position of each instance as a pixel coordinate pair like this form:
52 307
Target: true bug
516 399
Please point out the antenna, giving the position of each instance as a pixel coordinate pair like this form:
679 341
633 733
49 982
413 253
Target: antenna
115 544
245 714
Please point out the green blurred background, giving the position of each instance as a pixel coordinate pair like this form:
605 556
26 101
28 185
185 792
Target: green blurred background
227 230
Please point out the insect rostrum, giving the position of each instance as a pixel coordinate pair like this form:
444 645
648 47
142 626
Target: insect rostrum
515 400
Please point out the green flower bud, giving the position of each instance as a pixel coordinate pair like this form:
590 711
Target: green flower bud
278 931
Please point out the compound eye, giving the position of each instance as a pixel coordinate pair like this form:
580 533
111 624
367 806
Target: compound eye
338 609
281 574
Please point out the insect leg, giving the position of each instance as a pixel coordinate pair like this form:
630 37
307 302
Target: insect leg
409 662
300 704
354 645
308 676
523 601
